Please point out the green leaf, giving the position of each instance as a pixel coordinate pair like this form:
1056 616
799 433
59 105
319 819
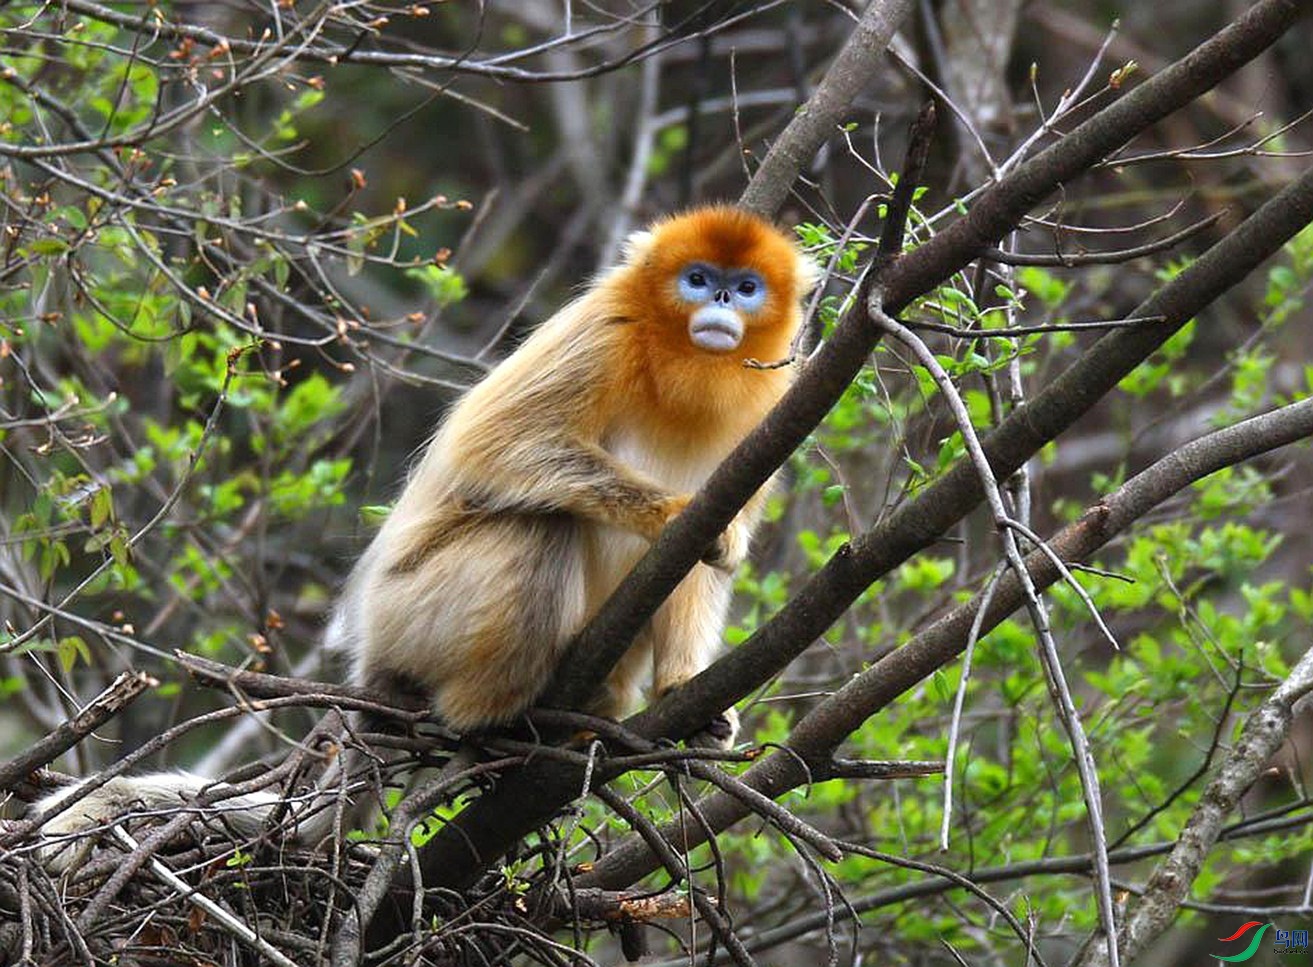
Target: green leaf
119 549
445 286
102 507
70 649
49 246
375 514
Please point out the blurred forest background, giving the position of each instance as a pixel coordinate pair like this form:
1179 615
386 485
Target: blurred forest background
241 280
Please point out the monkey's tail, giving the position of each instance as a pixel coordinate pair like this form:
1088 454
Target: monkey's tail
64 837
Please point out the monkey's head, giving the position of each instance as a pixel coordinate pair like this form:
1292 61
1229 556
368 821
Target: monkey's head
717 281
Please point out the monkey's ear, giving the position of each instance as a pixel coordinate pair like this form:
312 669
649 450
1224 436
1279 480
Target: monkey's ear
636 247
809 274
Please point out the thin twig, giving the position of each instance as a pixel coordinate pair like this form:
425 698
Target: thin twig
1117 256
120 693
1063 701
1011 332
955 723
232 924
1264 731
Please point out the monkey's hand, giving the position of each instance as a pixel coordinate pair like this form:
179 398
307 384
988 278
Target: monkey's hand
728 551
719 733
667 510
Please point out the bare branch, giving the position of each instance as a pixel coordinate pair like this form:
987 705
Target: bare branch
817 120
122 692
234 925
259 685
1115 257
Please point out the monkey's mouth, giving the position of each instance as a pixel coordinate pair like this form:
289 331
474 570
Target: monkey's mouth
715 329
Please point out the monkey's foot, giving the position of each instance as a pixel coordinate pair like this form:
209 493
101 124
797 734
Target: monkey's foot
719 733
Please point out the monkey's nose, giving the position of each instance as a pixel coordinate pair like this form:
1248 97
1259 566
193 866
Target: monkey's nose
722 296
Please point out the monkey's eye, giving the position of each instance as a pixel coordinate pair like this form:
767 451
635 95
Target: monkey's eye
747 287
696 279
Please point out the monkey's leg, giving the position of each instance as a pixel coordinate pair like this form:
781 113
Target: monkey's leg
482 619
623 691
686 635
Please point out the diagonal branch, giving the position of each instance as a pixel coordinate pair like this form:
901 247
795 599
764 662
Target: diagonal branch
122 692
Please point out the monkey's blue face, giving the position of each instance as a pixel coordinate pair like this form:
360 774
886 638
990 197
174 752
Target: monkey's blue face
723 299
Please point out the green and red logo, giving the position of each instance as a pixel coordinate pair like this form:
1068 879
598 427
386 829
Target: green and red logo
1253 943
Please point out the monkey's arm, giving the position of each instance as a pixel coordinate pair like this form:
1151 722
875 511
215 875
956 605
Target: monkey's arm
529 438
564 475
